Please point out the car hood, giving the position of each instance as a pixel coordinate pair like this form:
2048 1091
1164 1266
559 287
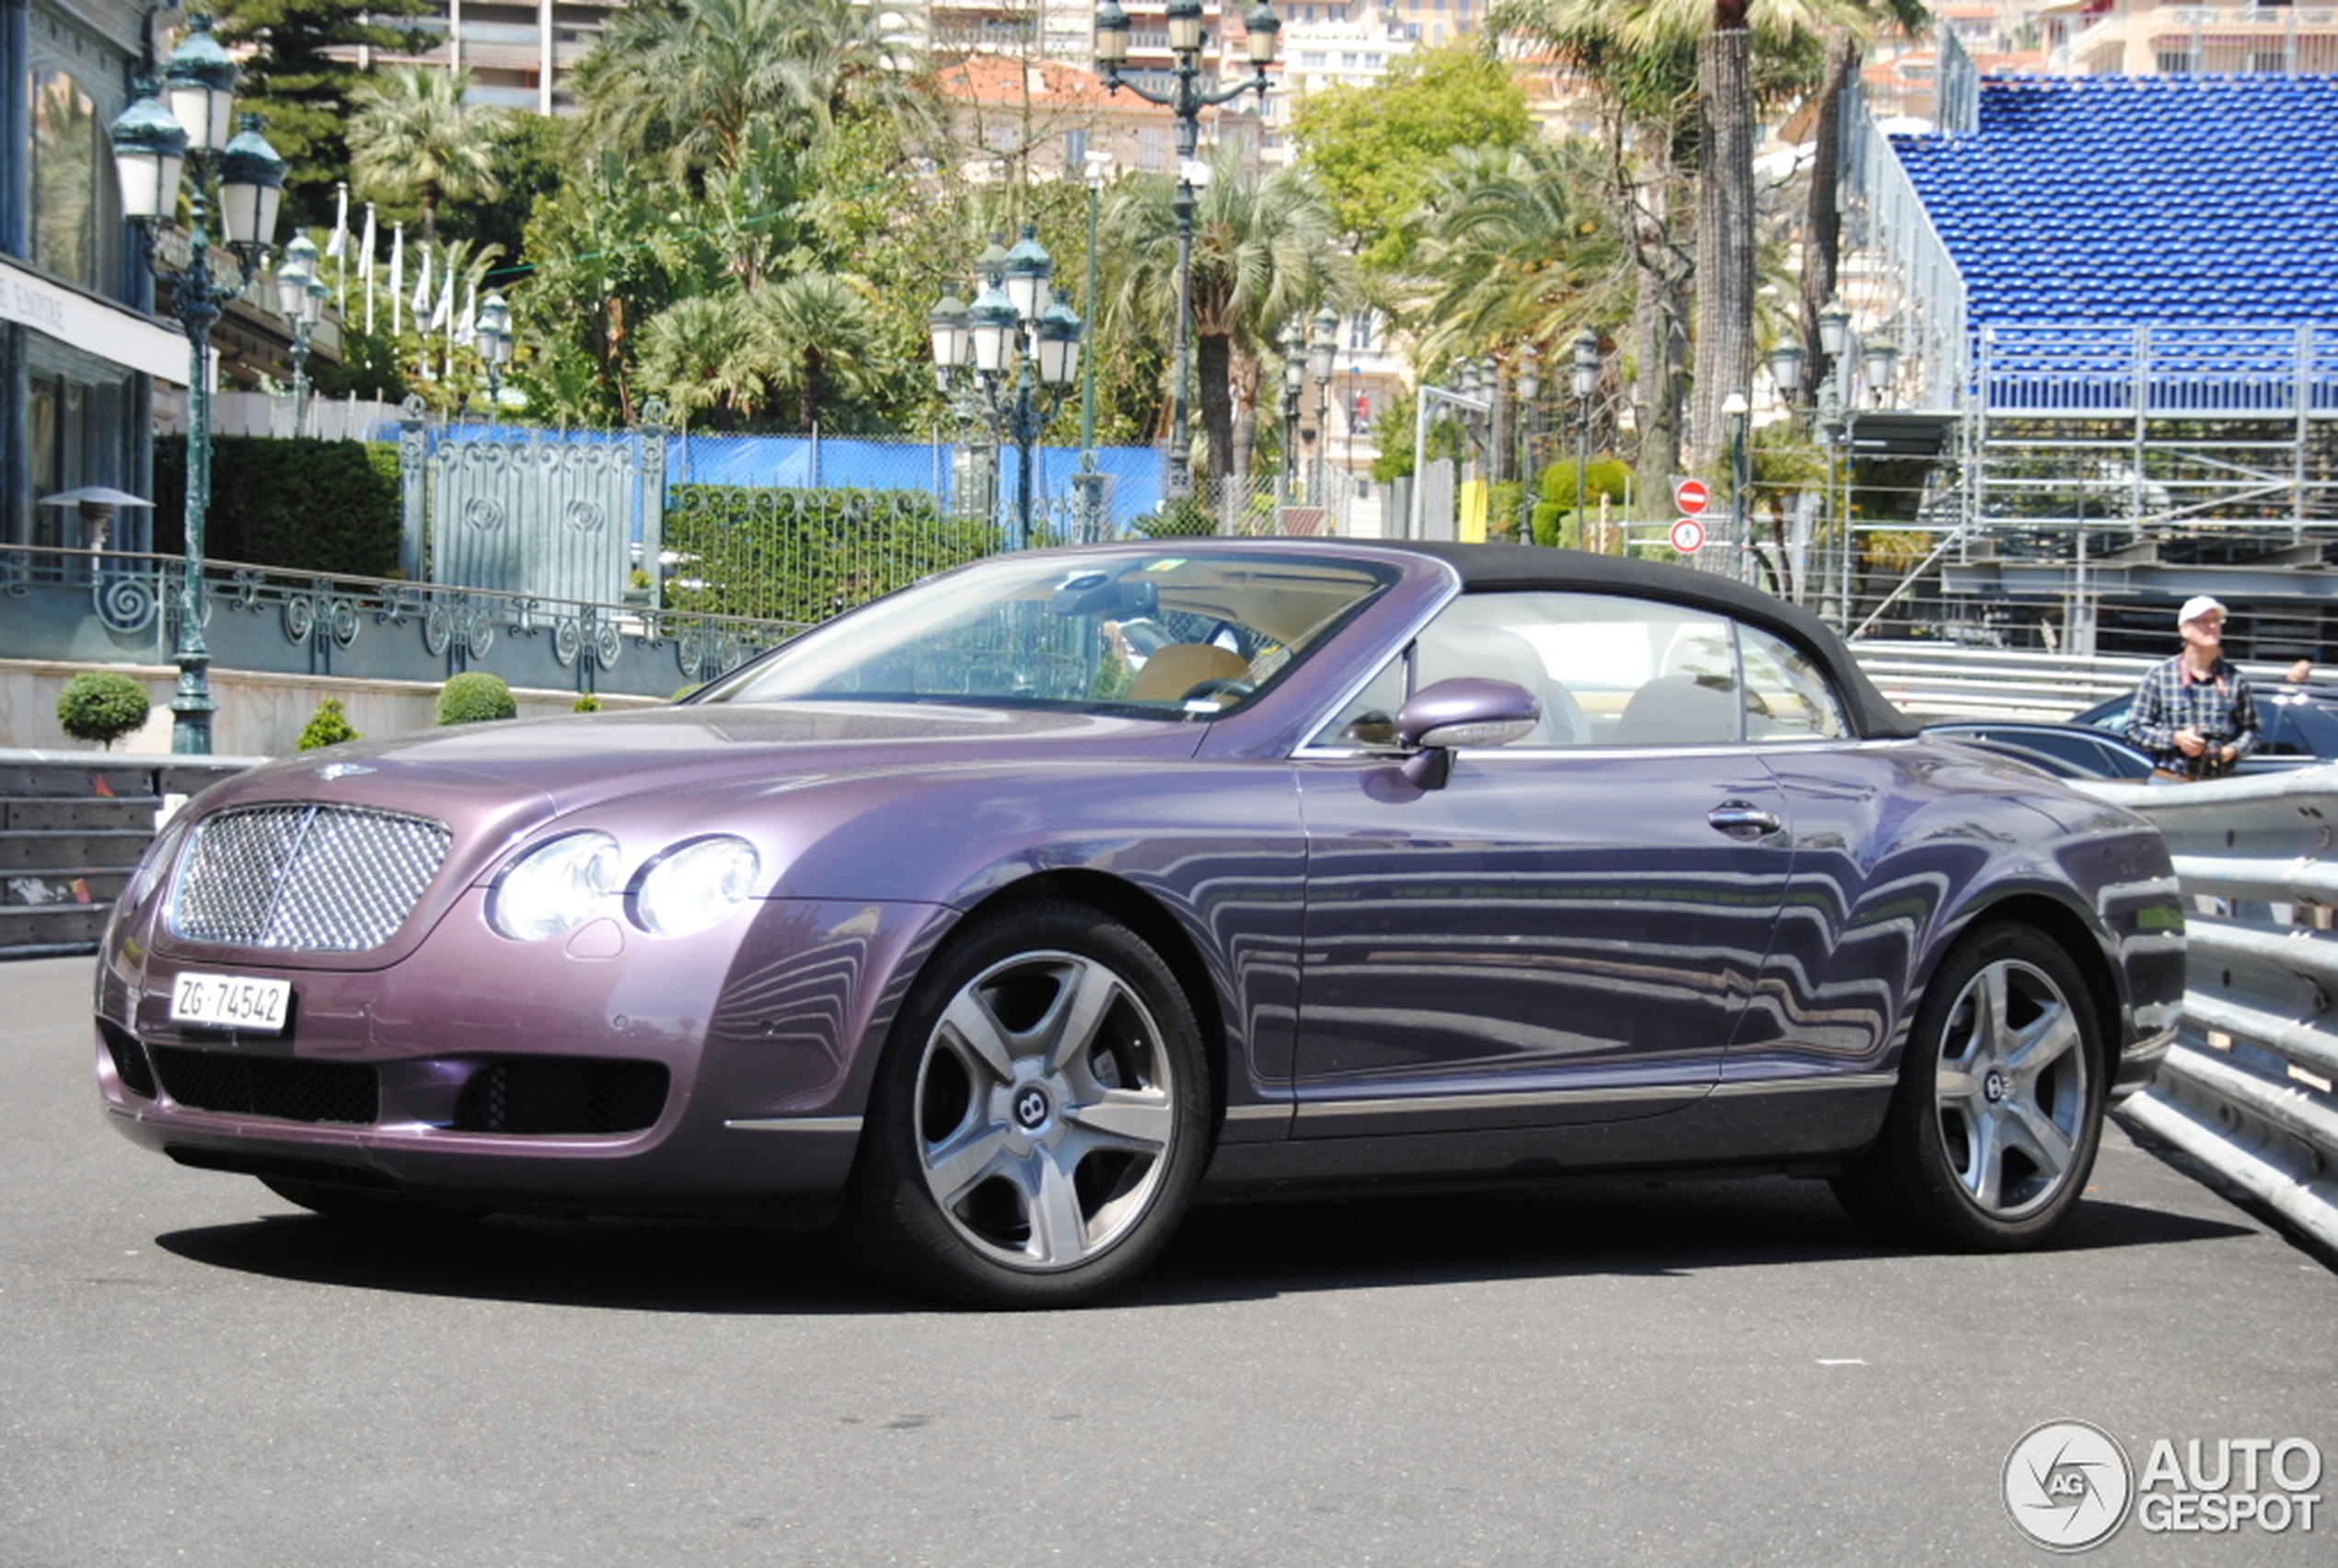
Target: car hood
568 762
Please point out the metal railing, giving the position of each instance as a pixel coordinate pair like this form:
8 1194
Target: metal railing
2247 1090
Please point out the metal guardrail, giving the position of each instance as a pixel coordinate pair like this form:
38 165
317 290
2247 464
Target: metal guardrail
2248 1088
1950 681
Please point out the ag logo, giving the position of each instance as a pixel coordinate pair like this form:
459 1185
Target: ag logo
2067 1485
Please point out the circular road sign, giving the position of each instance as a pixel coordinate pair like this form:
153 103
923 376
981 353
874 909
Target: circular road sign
1688 536
1690 496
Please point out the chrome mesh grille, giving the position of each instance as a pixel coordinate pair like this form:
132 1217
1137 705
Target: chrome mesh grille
328 879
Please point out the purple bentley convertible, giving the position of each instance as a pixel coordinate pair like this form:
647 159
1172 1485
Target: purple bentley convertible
999 919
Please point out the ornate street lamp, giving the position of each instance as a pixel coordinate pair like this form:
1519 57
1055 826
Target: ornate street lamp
1322 352
494 347
1528 384
300 299
1586 382
240 180
1294 381
1186 101
1881 358
1011 357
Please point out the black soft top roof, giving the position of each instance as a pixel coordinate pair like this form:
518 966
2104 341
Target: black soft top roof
1518 567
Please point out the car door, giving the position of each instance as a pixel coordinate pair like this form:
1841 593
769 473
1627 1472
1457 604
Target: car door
1570 928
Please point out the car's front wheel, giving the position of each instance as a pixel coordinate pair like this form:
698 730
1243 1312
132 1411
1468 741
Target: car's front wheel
1040 1117
1993 1131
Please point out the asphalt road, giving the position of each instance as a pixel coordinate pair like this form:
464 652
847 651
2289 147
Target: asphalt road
192 1372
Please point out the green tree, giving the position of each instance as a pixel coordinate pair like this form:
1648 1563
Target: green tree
102 705
297 60
1373 151
1263 255
820 336
705 353
412 134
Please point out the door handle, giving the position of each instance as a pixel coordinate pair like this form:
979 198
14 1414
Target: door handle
1743 819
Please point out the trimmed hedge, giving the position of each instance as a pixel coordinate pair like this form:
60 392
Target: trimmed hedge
102 706
475 697
328 726
302 505
805 555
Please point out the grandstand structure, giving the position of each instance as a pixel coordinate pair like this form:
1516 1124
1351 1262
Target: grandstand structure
2116 303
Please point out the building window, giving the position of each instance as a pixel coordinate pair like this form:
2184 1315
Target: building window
1359 326
66 193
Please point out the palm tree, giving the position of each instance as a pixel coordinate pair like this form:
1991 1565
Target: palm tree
819 335
705 352
1264 254
1518 252
412 134
689 82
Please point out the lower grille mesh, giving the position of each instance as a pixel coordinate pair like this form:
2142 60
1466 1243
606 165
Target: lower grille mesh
563 1095
262 1085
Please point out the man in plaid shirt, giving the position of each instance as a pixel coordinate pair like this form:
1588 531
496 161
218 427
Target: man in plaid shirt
2194 713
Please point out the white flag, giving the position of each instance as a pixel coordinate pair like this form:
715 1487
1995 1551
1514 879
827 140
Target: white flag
366 265
397 277
444 314
421 295
338 247
467 328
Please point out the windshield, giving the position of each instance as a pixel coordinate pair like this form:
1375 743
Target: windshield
1147 632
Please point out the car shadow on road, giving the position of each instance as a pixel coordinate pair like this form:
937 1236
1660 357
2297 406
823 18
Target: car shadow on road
1223 1253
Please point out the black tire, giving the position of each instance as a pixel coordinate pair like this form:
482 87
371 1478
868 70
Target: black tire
1040 1116
1993 1131
357 1206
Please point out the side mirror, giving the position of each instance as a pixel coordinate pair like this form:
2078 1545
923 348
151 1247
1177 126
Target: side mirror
1465 711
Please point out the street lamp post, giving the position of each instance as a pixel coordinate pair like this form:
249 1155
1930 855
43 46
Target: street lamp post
1528 386
1009 358
1294 381
1586 382
300 299
154 145
1834 425
1739 411
1186 101
496 347
1320 353
1088 483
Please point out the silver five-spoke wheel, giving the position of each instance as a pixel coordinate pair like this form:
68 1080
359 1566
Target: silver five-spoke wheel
1046 1107
1993 1129
2011 1089
1040 1115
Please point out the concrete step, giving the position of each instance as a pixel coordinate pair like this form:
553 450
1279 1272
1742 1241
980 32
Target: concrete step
50 812
83 884
29 930
52 852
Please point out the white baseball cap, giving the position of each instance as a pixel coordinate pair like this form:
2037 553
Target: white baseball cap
2197 606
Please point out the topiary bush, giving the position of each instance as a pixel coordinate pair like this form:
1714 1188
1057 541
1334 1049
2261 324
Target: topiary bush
102 706
473 697
589 703
328 726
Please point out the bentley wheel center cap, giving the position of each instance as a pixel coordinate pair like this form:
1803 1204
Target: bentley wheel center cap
1993 1087
1031 1107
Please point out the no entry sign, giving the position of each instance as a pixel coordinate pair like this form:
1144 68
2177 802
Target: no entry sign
1688 536
1690 496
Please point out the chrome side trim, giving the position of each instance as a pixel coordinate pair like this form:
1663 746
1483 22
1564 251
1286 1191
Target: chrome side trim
1320 1109
795 1123
1272 1111
1806 1083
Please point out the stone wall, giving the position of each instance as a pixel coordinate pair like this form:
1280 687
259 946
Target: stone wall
258 714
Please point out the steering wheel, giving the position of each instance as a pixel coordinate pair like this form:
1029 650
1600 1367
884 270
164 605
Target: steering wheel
1233 688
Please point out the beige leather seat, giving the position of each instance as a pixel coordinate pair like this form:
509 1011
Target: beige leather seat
1176 668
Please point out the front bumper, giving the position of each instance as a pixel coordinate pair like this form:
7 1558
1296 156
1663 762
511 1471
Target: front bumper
607 1070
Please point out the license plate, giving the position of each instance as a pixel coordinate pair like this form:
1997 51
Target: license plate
230 1001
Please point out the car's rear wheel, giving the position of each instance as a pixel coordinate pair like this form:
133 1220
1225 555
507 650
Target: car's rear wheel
1993 1131
1041 1114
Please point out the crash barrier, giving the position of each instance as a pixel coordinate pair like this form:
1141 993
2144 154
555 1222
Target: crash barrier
2247 1090
1950 681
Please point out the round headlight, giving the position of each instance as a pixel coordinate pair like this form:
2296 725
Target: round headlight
693 885
554 886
